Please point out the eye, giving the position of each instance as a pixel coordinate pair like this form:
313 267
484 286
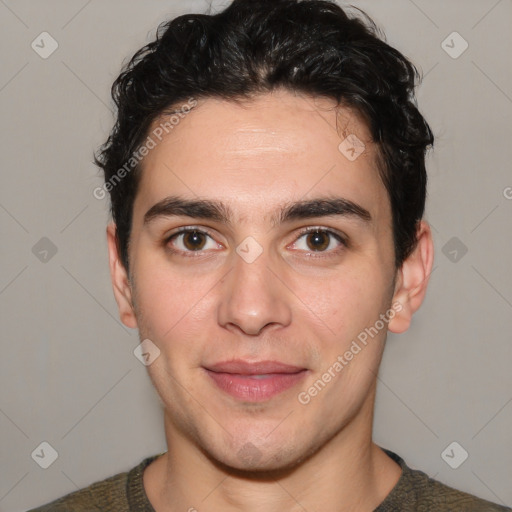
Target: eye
318 240
192 240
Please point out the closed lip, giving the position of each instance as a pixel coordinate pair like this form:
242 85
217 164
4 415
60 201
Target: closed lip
241 367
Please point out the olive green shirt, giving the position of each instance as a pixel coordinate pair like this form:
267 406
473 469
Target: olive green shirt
414 492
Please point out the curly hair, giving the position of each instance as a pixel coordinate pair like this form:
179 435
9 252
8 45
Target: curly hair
253 47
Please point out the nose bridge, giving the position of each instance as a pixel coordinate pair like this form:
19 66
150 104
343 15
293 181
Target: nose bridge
252 297
251 276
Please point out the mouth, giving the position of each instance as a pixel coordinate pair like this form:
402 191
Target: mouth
255 381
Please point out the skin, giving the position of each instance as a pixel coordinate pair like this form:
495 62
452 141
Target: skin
294 304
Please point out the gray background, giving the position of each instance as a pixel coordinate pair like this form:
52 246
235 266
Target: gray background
68 373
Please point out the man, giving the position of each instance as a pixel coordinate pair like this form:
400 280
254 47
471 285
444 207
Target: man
267 179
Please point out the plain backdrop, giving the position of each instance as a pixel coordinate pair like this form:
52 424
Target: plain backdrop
68 373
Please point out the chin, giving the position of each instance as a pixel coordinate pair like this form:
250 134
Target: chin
252 459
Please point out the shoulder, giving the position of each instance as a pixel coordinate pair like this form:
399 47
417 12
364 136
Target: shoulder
416 491
110 494
434 495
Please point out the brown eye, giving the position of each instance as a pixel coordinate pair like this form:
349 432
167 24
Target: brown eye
318 240
194 240
191 240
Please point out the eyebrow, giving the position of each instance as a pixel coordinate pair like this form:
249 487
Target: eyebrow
214 210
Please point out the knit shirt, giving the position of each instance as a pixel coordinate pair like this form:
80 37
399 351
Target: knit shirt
414 492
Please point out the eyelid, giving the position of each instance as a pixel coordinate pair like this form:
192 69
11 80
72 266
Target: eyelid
340 237
187 229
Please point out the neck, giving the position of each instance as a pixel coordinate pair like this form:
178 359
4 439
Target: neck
347 473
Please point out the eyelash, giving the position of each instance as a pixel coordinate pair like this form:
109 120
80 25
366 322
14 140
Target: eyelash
315 254
333 234
186 254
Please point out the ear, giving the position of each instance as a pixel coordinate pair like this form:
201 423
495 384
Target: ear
120 281
412 280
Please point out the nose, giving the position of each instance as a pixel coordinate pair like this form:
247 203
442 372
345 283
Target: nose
252 298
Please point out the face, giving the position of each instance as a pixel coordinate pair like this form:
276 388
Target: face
259 255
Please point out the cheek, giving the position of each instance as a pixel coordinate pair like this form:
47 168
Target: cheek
169 302
350 306
347 301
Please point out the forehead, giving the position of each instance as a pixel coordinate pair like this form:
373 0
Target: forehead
257 154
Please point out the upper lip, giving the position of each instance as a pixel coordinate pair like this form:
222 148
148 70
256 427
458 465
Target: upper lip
241 367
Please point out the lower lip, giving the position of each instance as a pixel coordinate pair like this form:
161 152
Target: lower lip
254 389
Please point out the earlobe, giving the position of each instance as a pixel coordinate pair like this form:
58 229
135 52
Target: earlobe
412 280
120 281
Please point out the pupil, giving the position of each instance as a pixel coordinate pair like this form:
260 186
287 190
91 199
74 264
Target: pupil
193 240
318 241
